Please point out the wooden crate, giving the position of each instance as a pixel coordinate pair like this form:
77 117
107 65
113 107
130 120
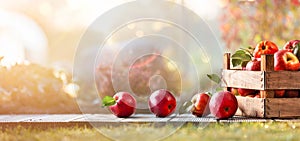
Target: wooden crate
267 80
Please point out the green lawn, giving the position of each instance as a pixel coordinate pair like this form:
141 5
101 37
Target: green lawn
230 131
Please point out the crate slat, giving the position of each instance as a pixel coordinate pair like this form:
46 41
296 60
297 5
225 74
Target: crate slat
250 107
282 80
282 107
269 107
243 79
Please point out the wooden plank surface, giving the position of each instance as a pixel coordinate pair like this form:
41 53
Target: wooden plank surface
73 119
282 107
243 79
63 118
250 107
90 120
282 80
269 107
100 120
261 80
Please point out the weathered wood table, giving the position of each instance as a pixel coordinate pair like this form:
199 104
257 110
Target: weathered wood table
91 120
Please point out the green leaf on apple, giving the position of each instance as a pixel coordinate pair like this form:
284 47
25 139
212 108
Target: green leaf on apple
297 50
240 51
244 64
236 62
249 50
214 77
108 101
241 57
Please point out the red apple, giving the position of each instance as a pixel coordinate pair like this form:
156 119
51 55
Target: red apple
245 92
294 47
200 104
251 96
264 47
122 104
291 45
257 96
291 93
253 65
162 103
285 60
223 105
279 93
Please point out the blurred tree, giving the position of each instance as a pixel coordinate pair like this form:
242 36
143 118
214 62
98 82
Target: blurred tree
246 22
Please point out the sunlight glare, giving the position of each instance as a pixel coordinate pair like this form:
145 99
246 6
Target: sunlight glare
11 49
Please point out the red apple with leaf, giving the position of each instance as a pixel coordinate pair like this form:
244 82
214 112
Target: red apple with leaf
162 103
122 104
251 56
200 103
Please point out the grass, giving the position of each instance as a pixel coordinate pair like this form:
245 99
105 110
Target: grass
273 131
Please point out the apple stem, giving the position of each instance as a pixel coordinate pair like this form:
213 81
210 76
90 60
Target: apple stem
108 101
209 93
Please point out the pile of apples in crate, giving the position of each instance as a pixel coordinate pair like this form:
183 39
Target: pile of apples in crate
285 59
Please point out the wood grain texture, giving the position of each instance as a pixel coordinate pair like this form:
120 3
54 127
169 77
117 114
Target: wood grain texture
282 107
250 107
269 107
282 80
243 79
226 61
267 62
226 66
267 79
